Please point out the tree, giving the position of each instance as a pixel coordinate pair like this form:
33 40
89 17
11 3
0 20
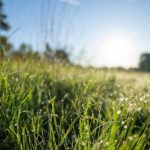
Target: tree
57 55
49 53
144 64
62 56
4 26
25 52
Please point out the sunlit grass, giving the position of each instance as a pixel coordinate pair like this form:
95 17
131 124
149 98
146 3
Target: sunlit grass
51 106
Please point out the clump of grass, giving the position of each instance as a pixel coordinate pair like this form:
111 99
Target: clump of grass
64 107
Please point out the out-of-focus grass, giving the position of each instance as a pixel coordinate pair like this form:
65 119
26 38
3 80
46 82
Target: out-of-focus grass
54 106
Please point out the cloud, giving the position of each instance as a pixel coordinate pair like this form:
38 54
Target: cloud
73 2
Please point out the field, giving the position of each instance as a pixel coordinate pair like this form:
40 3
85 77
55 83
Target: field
54 106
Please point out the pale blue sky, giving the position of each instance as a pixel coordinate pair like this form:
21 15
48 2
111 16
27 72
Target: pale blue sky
111 32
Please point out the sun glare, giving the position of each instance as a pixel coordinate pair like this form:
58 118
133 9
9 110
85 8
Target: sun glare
118 50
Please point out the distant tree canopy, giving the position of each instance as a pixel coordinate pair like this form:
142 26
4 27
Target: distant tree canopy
57 55
62 56
4 43
144 64
25 52
4 26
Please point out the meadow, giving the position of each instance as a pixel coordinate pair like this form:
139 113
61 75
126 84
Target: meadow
56 106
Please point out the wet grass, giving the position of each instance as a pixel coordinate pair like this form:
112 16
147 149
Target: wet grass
51 106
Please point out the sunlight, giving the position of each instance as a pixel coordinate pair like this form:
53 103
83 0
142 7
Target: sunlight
118 49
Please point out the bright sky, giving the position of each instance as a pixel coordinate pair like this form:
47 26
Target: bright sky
103 32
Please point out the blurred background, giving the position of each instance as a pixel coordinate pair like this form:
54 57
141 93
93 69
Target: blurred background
99 33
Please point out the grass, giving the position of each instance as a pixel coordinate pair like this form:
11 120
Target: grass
54 106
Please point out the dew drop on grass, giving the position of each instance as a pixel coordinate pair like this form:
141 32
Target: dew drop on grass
83 143
141 99
107 143
139 109
101 142
122 99
130 138
135 135
118 85
86 127
122 122
145 101
119 112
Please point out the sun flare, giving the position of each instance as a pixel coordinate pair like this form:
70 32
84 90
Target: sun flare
118 49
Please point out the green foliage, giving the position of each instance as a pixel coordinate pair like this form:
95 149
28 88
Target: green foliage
62 56
25 52
144 64
4 26
54 106
57 55
5 46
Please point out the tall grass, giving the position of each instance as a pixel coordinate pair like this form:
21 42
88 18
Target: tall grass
50 106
